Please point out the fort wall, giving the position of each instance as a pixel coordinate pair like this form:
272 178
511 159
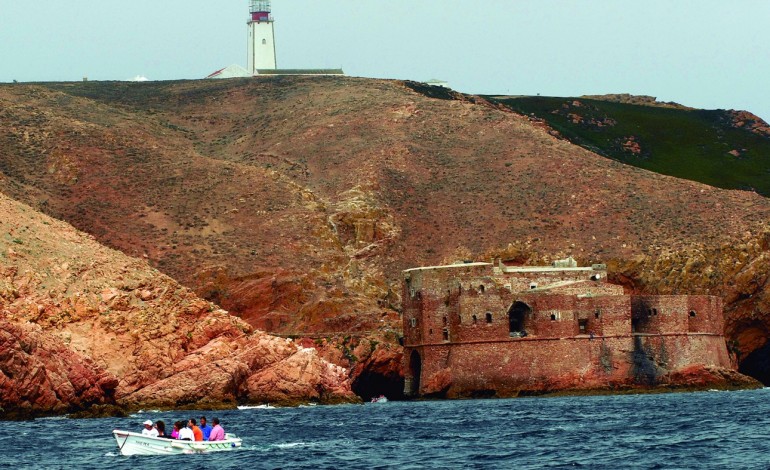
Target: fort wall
486 329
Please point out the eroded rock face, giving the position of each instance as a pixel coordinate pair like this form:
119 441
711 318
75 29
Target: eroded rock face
39 374
83 325
301 376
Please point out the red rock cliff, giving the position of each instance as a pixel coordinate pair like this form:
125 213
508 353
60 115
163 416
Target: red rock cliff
81 324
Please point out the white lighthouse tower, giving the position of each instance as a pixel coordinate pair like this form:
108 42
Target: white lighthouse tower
261 47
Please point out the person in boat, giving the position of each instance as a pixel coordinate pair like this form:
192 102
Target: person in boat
195 429
149 430
186 432
205 428
217 432
161 427
175 433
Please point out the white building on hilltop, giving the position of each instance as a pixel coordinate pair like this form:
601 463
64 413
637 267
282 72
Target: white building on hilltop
261 57
261 44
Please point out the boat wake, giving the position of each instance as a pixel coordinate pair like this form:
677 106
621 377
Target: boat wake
291 445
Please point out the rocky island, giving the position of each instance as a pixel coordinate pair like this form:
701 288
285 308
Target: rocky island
204 243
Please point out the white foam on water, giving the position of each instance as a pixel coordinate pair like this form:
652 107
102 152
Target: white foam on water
290 445
256 407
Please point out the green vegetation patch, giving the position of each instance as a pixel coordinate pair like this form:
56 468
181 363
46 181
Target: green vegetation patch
699 145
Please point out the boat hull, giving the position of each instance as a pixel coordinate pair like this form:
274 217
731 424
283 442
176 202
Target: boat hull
132 443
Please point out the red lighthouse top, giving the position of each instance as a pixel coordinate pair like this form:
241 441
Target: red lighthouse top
260 10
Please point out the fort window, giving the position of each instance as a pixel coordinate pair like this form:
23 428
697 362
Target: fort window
596 277
518 315
597 313
655 311
692 313
481 288
475 319
446 334
445 321
649 312
583 326
413 322
489 317
553 317
533 285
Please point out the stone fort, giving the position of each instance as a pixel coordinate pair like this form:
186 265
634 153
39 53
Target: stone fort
492 329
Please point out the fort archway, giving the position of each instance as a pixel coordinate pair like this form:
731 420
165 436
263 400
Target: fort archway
518 317
415 367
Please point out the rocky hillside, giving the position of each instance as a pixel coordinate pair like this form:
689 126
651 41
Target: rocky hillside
83 325
295 202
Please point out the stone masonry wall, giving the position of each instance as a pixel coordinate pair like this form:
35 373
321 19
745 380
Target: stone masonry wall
467 332
530 365
677 313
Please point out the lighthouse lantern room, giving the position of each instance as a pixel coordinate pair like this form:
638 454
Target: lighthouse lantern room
261 47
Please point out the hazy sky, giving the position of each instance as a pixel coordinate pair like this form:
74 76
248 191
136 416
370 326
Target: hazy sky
704 53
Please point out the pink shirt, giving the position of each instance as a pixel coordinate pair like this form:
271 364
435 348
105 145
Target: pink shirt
217 433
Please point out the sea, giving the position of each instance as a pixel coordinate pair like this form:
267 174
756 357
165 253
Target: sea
701 430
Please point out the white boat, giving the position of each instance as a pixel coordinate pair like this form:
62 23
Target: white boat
380 399
134 443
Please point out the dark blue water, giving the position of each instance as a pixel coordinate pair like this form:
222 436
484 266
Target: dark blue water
685 430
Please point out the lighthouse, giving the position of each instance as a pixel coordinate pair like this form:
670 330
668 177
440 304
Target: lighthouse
261 49
261 46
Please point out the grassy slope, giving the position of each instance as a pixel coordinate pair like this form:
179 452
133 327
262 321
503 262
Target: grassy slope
690 144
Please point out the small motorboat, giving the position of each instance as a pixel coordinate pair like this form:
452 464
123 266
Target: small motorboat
380 399
134 443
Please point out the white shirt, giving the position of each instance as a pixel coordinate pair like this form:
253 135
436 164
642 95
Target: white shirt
186 433
152 432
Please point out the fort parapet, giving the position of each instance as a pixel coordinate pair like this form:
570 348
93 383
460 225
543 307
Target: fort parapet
488 329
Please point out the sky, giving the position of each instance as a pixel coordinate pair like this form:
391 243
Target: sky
702 53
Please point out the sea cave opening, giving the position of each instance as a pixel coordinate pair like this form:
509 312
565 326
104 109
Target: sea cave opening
373 383
757 364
